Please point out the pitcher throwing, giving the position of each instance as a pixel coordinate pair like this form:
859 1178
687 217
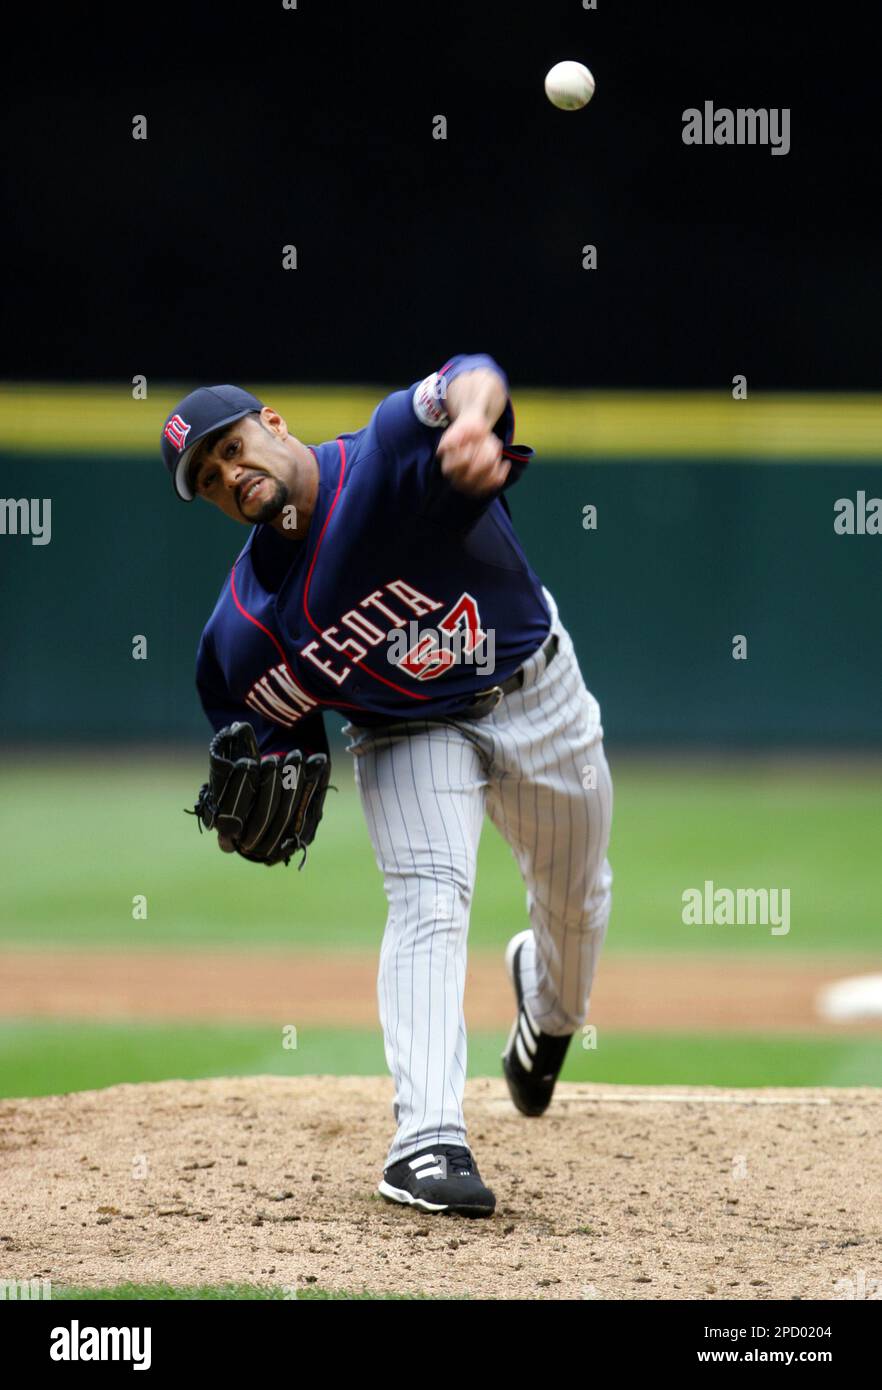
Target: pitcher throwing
383 580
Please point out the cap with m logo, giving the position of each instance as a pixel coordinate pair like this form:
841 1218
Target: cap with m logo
204 410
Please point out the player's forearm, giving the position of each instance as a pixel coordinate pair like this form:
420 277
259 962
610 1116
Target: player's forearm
481 390
470 453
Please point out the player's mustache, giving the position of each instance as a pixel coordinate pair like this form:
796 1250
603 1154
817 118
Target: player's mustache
246 483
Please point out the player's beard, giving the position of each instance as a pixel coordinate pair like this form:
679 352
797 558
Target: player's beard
271 505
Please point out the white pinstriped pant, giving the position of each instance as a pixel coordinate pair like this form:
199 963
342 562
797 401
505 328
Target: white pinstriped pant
424 795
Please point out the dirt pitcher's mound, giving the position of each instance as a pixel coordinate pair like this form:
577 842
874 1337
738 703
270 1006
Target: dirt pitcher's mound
616 1193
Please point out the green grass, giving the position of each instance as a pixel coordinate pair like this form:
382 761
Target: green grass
221 1292
85 843
47 1058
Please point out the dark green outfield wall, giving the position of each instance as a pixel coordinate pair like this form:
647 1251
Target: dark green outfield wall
685 556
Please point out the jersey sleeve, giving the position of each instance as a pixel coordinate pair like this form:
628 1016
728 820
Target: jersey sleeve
308 734
408 425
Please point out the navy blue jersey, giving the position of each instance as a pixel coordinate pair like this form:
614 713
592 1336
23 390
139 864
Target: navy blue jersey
405 598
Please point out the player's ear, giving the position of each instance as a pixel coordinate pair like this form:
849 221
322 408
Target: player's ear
274 422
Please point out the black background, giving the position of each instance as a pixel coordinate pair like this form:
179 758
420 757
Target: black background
314 127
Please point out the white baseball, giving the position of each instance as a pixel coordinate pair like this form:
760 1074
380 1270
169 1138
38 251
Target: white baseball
569 86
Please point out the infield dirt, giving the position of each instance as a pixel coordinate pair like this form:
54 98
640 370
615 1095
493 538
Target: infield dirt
682 993
625 1193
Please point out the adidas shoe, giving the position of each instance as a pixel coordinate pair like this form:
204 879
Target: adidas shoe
532 1059
442 1178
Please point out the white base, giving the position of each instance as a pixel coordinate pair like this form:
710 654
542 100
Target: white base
856 999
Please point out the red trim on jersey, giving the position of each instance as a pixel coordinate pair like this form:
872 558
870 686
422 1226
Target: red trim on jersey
280 649
251 618
315 627
412 694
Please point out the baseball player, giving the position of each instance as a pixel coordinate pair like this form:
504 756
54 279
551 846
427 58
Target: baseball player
383 580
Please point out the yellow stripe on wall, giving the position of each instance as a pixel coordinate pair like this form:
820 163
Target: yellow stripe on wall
38 419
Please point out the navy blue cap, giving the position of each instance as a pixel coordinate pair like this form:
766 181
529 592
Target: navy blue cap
194 417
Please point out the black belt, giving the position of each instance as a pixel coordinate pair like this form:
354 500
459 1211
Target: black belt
485 701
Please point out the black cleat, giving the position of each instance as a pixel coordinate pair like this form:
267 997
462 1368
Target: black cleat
532 1059
442 1178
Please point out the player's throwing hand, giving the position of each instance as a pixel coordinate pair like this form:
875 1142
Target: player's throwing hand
471 454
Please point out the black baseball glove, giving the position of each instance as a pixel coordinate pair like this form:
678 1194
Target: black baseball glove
268 807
